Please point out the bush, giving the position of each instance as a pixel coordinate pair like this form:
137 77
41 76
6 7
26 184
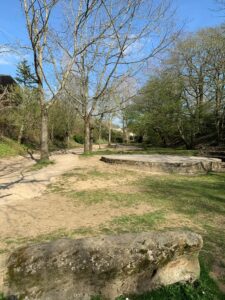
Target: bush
2 297
78 139
101 141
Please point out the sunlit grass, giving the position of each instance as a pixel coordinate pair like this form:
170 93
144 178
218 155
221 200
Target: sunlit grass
9 147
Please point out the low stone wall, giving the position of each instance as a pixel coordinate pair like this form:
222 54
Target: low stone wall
107 265
168 163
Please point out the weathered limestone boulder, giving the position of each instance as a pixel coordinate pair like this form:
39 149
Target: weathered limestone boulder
107 265
168 163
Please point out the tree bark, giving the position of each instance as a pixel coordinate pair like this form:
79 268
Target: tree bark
68 141
100 134
52 134
20 136
91 137
86 135
110 132
44 133
218 117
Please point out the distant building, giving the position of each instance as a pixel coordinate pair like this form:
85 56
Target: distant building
128 136
6 81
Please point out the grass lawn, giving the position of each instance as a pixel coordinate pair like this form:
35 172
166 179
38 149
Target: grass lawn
177 201
114 199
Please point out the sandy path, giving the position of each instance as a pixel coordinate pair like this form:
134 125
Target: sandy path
18 184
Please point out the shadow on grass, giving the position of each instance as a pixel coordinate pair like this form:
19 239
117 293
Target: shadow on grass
188 195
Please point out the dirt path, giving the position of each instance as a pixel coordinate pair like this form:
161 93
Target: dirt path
17 183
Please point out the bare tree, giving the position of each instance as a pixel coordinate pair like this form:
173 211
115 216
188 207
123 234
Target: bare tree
53 54
128 27
37 19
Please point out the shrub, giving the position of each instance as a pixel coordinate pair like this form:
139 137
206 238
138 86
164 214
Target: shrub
78 139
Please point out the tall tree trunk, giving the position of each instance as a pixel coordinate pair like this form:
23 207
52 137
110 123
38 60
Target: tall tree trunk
127 136
20 136
218 117
124 133
110 132
86 135
188 142
68 134
100 134
91 137
200 98
68 141
44 133
52 133
161 136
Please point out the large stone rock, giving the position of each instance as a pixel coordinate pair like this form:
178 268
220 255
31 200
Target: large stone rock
168 163
107 265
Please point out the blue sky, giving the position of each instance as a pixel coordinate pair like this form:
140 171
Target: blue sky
196 13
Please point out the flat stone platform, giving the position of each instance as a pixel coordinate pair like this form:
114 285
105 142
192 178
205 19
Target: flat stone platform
168 163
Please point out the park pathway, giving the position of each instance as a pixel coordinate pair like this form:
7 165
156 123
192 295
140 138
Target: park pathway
17 182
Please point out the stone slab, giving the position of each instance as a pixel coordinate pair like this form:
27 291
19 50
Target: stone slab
168 163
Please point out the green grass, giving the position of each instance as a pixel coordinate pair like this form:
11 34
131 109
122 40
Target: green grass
134 223
2 297
48 237
199 200
9 147
196 201
41 164
185 194
84 174
94 173
102 195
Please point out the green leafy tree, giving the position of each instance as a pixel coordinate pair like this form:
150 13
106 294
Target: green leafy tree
24 75
154 113
185 101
